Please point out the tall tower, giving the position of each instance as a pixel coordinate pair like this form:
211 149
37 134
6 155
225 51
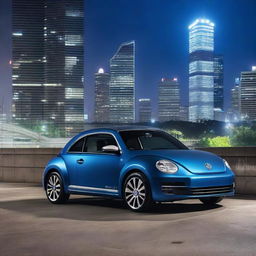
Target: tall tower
48 62
64 52
122 84
248 95
101 111
201 70
168 100
218 82
28 61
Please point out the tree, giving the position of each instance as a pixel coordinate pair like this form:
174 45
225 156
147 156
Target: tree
243 136
175 133
219 141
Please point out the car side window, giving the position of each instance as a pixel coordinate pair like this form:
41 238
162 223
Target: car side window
95 143
77 146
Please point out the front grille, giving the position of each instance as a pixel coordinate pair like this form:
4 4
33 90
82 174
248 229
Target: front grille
183 190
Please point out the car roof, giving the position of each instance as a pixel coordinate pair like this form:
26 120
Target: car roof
123 128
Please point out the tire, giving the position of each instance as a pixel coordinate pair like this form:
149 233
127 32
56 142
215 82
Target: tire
137 192
54 189
211 200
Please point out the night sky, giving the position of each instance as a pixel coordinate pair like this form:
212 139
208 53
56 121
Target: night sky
160 29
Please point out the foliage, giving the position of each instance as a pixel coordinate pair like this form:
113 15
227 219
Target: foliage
219 141
243 136
175 133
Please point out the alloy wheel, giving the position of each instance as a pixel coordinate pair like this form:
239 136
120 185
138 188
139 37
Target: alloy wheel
53 188
135 193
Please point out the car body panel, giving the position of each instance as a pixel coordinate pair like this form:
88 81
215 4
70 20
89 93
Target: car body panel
105 173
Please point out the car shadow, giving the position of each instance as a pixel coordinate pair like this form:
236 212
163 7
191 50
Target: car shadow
102 209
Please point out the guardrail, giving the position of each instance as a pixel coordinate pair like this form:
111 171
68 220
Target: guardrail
26 165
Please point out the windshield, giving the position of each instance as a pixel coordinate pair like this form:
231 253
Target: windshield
150 140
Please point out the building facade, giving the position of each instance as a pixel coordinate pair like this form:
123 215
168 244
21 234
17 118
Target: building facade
201 70
122 84
145 110
218 65
56 100
184 113
248 95
235 96
101 110
168 100
28 61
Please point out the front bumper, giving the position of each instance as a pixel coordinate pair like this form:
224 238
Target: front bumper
197 186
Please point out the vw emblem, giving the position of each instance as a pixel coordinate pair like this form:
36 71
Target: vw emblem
208 166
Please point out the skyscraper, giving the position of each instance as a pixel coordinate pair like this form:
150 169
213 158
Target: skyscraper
122 84
101 111
64 53
235 96
218 82
28 61
201 70
145 110
48 65
168 100
248 95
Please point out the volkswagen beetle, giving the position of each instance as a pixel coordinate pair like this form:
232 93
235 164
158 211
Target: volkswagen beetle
140 166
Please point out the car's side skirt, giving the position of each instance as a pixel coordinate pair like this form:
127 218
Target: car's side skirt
94 190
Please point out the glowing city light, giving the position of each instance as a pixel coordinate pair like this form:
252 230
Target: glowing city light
101 71
253 68
205 21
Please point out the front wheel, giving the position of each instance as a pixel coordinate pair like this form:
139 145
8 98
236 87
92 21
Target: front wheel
55 190
137 193
211 200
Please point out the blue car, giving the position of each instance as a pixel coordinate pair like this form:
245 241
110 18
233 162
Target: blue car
140 166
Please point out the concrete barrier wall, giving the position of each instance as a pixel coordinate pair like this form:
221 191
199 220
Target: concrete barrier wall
26 165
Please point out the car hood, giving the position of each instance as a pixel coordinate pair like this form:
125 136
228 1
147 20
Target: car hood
195 161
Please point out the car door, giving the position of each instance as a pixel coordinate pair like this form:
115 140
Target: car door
93 169
101 170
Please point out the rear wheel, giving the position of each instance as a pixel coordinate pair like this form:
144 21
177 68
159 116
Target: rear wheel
55 190
211 200
137 193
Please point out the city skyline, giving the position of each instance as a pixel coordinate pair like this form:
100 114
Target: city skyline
176 30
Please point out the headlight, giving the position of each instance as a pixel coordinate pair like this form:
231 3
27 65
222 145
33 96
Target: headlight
226 163
166 166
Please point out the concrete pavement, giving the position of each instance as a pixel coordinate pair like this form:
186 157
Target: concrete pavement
87 226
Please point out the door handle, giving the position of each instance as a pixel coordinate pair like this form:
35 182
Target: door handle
80 161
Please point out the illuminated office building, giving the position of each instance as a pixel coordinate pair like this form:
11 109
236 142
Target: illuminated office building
235 96
248 95
101 111
28 61
145 110
122 84
168 100
48 61
201 70
218 82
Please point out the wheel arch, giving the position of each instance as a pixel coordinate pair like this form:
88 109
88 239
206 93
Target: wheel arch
58 165
129 172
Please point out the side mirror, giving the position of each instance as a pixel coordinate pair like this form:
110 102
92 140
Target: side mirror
110 149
